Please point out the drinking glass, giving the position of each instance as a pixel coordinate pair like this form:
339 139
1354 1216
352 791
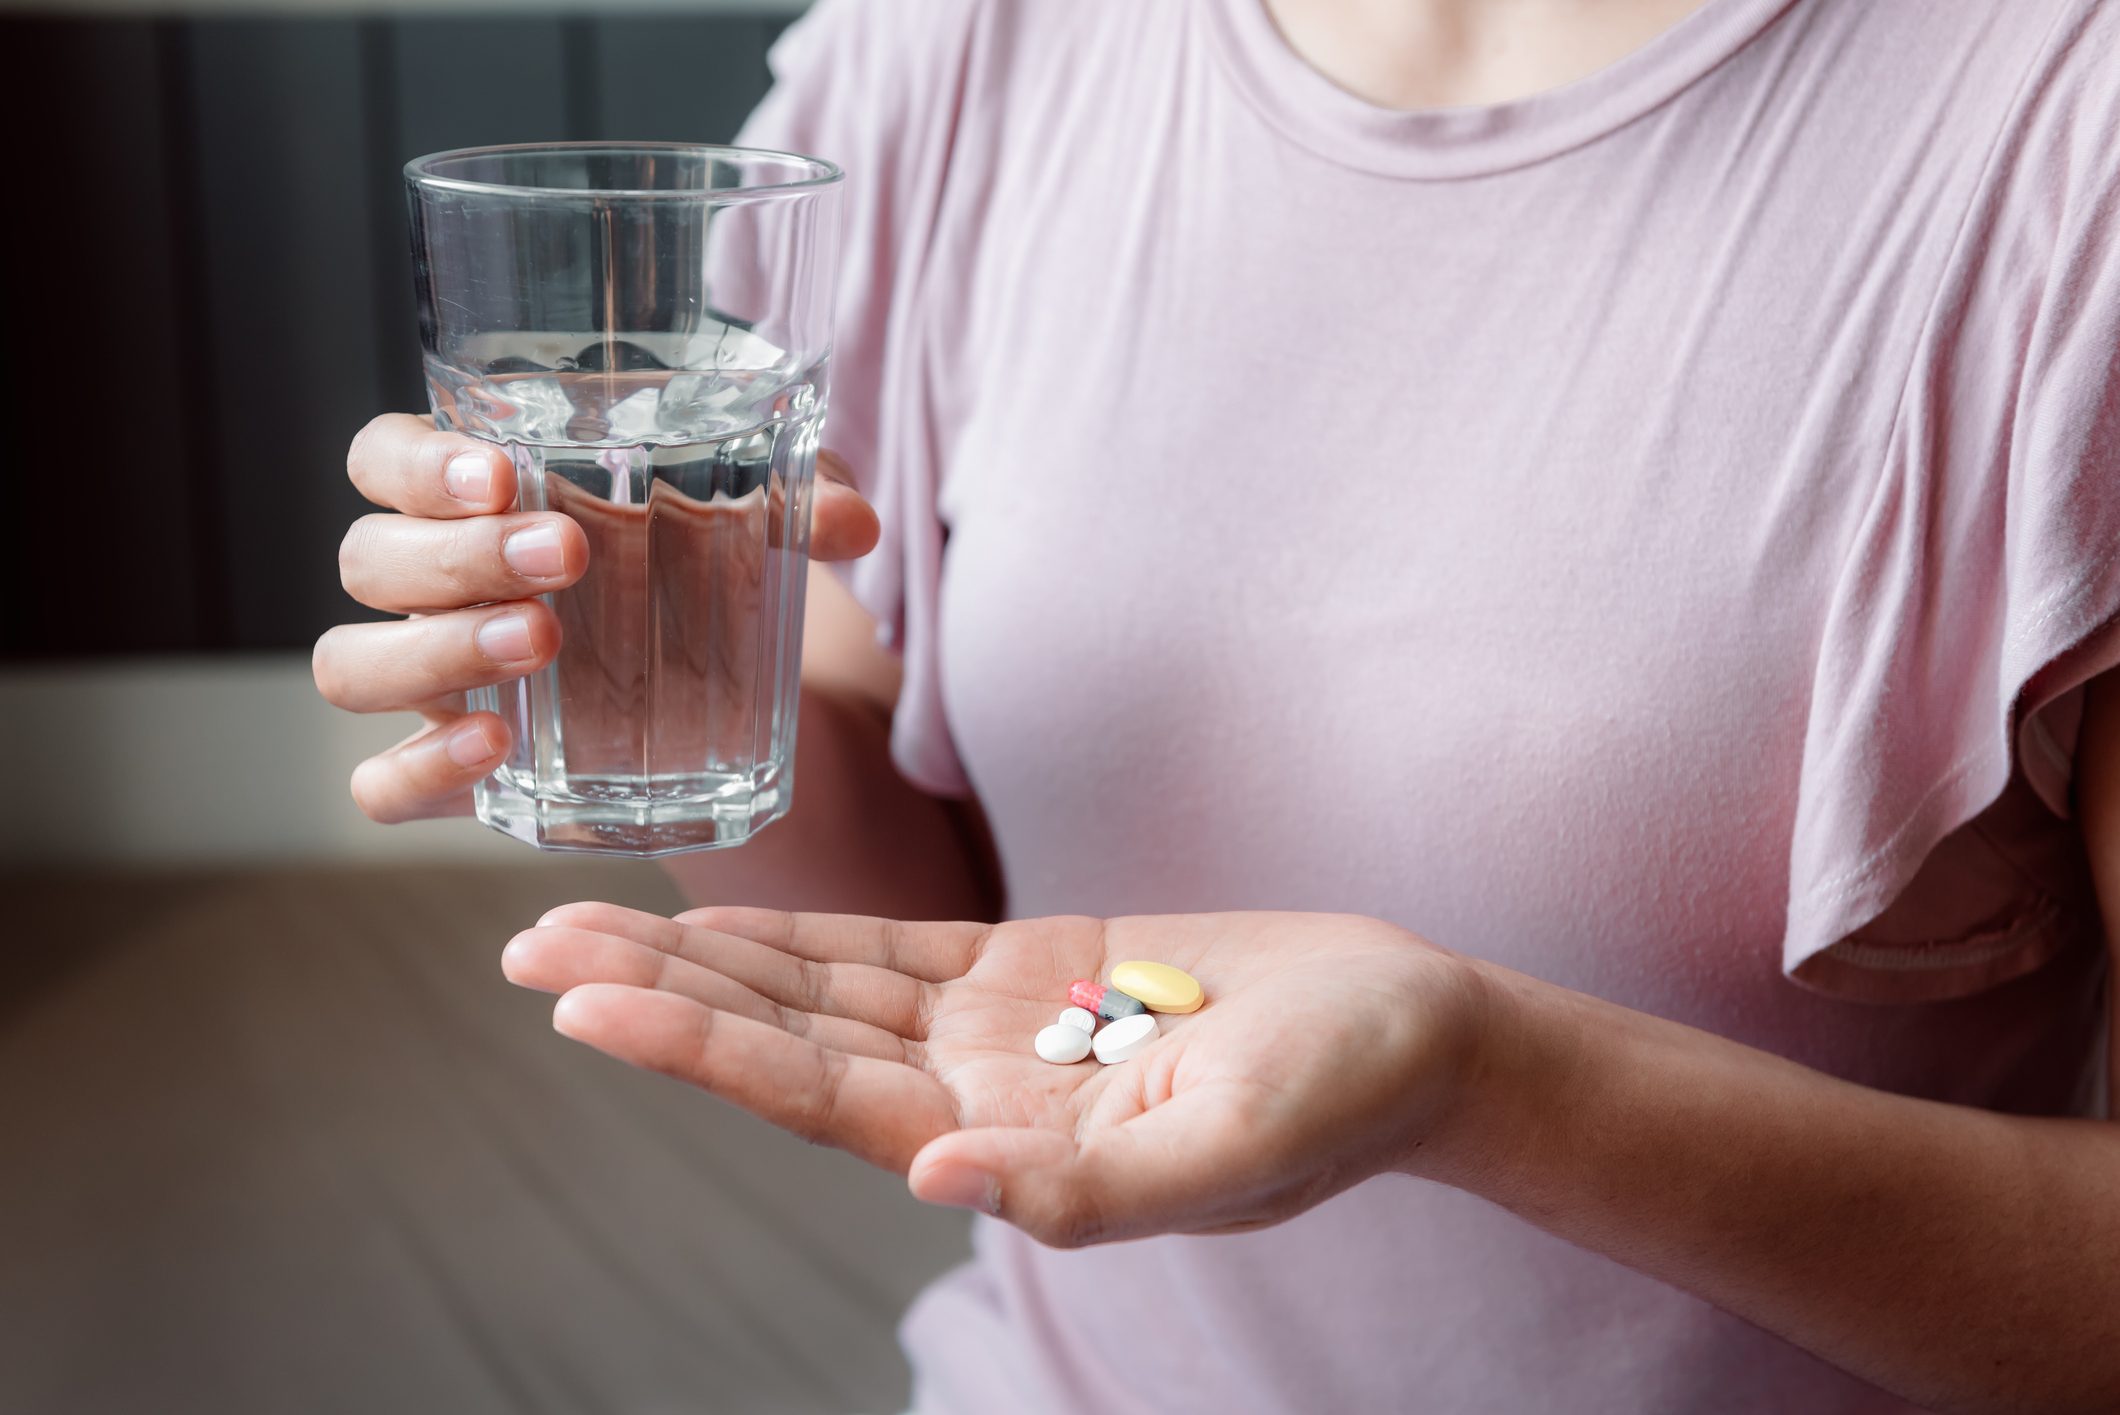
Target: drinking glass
645 330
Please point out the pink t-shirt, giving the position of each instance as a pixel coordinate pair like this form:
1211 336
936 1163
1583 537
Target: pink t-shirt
1652 535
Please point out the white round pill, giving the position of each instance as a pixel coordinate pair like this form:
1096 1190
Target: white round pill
1062 1045
1122 1040
1079 1017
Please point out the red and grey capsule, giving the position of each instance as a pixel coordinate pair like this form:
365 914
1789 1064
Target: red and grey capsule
1108 1003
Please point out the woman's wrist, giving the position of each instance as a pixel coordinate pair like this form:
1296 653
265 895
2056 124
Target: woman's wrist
1525 1056
859 838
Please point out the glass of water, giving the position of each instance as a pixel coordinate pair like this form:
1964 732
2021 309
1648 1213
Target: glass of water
645 329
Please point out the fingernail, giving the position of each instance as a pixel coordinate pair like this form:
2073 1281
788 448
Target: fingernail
467 744
535 552
506 639
960 1186
469 477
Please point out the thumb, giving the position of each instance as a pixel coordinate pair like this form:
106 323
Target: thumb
1183 1166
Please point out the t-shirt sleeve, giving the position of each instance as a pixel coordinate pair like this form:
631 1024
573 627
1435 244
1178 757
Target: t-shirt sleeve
1933 853
875 86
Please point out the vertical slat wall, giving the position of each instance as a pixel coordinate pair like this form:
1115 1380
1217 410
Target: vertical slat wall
216 292
102 545
290 343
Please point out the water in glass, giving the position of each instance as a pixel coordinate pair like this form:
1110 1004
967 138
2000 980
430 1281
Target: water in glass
667 721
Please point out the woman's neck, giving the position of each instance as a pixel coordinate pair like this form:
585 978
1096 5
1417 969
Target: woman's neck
1454 53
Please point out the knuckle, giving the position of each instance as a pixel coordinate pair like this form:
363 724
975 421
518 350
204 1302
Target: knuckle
432 672
813 985
897 944
1078 1222
817 1104
926 1002
357 555
470 559
737 921
662 969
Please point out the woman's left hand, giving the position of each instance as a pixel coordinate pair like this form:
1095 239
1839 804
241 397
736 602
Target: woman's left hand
1329 1049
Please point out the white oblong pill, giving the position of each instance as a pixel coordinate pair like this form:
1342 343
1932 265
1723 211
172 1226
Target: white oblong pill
1062 1045
1079 1017
1123 1039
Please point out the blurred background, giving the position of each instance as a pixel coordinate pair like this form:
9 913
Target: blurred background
274 1134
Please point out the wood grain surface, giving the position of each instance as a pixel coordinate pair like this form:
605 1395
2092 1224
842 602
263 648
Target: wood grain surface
286 1142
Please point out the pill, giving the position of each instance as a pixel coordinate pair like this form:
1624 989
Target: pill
1063 1045
1108 1003
1160 987
1079 1017
1123 1039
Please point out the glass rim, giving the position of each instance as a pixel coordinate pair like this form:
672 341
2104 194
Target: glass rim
823 174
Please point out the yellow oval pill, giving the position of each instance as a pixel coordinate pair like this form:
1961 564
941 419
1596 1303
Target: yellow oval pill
1158 986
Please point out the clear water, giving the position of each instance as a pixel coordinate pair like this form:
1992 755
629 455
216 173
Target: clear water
668 720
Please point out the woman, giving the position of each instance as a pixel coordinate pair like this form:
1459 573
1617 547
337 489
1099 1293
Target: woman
1629 490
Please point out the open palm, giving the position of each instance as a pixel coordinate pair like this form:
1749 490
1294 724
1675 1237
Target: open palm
1327 1042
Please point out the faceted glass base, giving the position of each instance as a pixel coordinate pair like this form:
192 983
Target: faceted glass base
629 827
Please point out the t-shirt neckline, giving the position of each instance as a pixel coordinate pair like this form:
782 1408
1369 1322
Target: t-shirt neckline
1440 143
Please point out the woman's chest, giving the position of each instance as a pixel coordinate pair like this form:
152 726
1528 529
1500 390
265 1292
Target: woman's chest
1454 557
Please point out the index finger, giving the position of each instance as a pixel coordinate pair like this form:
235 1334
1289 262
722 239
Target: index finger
931 952
403 462
880 1111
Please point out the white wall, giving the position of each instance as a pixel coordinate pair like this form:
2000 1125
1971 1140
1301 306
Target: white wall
198 761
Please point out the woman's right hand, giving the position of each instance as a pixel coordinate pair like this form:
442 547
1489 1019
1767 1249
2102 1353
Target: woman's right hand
466 570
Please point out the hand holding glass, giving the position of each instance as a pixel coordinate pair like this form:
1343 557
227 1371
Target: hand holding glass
645 330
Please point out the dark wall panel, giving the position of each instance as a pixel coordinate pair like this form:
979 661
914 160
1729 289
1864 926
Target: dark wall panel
468 82
444 83
289 278
219 295
692 79
100 547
